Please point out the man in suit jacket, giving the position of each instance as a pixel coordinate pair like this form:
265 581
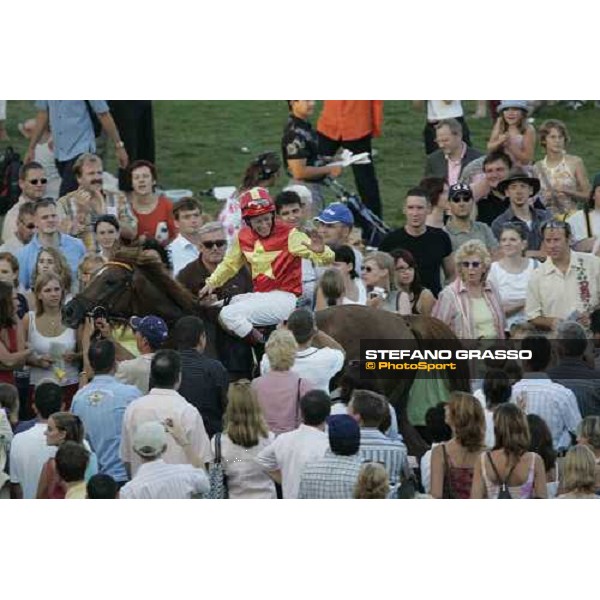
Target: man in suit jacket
453 156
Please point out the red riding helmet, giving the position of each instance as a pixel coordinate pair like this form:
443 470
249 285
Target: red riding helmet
256 202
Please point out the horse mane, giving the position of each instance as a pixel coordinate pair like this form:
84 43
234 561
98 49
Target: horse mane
158 275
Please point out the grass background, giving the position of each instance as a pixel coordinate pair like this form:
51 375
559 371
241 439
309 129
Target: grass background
199 143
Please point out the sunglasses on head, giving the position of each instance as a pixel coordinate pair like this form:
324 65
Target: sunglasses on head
43 181
457 199
217 243
470 263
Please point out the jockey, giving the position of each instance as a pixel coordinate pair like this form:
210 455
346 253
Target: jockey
273 250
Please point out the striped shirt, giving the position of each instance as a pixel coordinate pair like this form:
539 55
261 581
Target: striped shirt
376 447
331 477
159 480
552 402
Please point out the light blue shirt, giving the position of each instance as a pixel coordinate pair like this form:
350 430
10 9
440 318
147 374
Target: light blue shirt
101 407
71 125
71 248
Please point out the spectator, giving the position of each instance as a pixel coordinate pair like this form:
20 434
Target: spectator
153 212
497 390
511 273
150 334
161 403
541 444
335 475
73 132
50 260
71 463
453 462
102 487
62 427
589 435
373 482
54 347
46 222
573 371
513 134
460 227
354 289
555 403
262 172
437 192
413 299
101 406
579 477
379 278
246 435
29 451
585 223
335 224
369 409
491 203
279 390
470 305
9 273
300 149
318 358
107 230
23 230
520 187
330 291
438 110
438 431
352 124
32 181
157 477
287 456
184 248
510 467
13 352
567 285
9 404
453 154
79 210
88 267
430 246
204 381
563 176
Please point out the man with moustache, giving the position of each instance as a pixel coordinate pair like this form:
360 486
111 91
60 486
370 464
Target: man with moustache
79 210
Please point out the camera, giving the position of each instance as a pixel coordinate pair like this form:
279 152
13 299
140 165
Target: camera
378 292
98 312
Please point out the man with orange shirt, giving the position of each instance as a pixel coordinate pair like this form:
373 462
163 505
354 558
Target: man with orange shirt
352 124
273 250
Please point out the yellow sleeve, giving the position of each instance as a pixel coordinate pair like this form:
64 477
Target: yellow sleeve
296 247
231 264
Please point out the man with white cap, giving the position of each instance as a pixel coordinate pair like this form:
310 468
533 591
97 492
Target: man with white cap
157 479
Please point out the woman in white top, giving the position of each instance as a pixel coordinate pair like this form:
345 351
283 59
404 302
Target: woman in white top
245 435
585 224
511 273
54 346
413 298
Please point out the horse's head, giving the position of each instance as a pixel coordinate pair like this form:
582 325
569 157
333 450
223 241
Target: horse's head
131 287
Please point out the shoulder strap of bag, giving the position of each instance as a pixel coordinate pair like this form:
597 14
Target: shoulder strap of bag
217 448
588 224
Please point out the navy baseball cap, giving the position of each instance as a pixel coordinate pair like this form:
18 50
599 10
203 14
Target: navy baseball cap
337 212
344 435
153 328
459 189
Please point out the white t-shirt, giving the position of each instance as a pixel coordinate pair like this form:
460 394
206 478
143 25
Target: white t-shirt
512 287
317 364
444 109
579 226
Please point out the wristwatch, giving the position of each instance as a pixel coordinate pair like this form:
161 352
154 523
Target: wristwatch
120 144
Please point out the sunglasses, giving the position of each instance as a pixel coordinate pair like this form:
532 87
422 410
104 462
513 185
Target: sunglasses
30 226
466 264
217 243
457 199
43 181
367 269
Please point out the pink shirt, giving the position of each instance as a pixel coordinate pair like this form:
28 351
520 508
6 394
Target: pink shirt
454 166
279 397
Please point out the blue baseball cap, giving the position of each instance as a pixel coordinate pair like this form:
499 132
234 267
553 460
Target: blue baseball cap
153 328
337 212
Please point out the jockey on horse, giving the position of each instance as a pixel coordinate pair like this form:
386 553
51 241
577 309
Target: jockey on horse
273 250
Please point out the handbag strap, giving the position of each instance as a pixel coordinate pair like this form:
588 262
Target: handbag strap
501 482
218 448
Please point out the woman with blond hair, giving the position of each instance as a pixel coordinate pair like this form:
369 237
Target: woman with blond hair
470 305
379 277
453 462
588 434
245 435
579 475
50 259
373 482
279 391
510 470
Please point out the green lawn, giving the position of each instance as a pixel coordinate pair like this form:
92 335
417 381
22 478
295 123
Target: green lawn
199 142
